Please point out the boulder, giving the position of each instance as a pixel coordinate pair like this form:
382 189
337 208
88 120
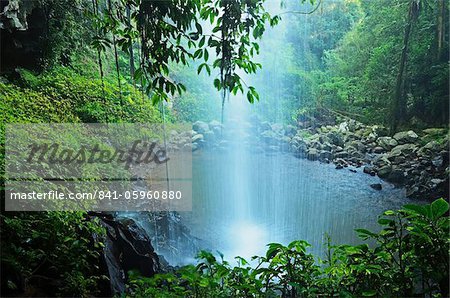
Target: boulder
270 137
378 150
326 155
336 138
396 176
405 150
384 171
200 127
405 137
341 154
209 136
197 138
278 128
376 186
369 170
312 154
387 142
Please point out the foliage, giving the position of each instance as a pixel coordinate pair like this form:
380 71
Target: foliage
173 32
363 69
50 248
409 258
62 95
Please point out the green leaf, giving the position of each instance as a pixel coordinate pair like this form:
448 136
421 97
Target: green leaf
439 208
369 293
363 233
416 209
217 84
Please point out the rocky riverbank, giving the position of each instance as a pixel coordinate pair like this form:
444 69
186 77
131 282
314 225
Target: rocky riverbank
418 161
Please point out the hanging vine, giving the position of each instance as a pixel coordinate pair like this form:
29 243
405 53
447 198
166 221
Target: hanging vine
171 31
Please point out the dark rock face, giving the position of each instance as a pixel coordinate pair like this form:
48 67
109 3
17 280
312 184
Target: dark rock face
376 186
23 32
127 247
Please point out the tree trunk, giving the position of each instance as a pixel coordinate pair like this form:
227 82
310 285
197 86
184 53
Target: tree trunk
132 69
399 107
440 28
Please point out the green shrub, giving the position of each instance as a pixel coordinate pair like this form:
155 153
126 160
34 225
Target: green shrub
409 258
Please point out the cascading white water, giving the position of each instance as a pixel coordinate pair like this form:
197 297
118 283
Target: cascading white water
245 197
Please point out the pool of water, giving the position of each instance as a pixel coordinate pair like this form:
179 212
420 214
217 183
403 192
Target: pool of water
244 200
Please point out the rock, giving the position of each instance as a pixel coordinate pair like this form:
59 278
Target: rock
359 146
200 127
336 138
278 128
327 146
372 137
341 154
396 176
428 148
343 127
381 160
378 150
326 155
369 170
290 131
197 138
339 166
405 150
265 126
387 142
376 186
270 137
128 247
384 171
209 136
215 123
405 137
312 154
437 181
438 161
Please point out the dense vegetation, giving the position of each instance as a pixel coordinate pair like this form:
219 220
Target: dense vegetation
410 258
383 62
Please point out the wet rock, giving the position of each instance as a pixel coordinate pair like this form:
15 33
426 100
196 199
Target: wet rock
326 155
405 137
405 150
312 154
387 143
336 138
359 146
200 127
265 126
369 170
341 154
396 176
438 161
209 136
269 137
378 150
384 171
127 247
197 138
278 128
376 186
